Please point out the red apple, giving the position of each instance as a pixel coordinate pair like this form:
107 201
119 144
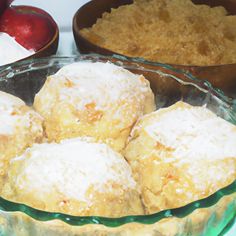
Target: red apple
31 27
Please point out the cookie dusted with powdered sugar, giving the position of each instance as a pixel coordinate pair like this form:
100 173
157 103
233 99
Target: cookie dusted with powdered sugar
20 127
76 177
181 154
101 100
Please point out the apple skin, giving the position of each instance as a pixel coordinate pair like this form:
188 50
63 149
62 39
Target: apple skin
31 27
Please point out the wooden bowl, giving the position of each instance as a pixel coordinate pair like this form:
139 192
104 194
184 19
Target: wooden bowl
220 76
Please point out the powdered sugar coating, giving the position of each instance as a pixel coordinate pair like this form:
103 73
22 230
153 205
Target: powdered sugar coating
100 83
13 114
71 168
180 154
196 140
194 133
95 99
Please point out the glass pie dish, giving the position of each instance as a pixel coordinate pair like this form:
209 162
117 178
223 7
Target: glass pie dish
208 216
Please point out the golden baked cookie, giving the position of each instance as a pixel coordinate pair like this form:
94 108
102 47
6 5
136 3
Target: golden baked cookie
181 154
100 100
76 177
20 127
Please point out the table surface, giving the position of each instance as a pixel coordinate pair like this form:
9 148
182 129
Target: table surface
67 45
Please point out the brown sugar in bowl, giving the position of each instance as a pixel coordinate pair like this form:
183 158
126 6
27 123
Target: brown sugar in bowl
222 76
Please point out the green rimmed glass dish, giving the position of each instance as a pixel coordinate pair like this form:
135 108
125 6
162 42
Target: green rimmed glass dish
207 216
